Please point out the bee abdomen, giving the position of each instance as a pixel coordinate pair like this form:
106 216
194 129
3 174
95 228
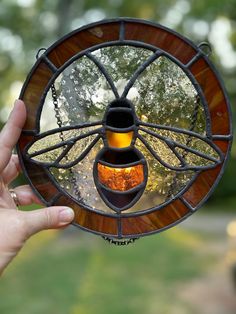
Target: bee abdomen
120 177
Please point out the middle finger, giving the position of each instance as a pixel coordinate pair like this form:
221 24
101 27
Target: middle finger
12 170
26 196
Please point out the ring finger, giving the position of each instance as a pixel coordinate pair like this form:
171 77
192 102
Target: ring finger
26 196
12 170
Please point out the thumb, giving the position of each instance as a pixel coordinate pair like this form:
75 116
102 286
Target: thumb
47 218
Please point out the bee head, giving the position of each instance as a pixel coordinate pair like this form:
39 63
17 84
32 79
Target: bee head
121 103
120 114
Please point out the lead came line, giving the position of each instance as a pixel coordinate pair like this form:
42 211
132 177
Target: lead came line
194 59
49 63
140 69
119 227
122 31
104 72
54 199
186 203
222 137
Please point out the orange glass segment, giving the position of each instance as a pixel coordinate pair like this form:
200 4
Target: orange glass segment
119 140
120 179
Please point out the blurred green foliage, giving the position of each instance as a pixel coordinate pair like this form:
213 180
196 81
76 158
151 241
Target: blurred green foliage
27 25
78 273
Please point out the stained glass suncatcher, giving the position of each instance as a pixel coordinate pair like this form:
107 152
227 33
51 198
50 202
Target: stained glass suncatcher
128 123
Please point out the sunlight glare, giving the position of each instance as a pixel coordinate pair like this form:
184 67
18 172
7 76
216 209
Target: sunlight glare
219 38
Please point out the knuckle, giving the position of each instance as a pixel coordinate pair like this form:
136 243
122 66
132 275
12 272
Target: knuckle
48 218
19 222
19 225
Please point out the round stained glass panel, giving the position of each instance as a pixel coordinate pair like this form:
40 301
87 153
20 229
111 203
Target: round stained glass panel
127 123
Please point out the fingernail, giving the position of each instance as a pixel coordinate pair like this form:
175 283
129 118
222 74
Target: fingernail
14 107
66 215
16 102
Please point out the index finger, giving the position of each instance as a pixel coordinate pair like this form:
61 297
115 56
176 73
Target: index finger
11 132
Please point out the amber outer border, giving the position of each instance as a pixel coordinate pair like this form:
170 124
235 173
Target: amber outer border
139 33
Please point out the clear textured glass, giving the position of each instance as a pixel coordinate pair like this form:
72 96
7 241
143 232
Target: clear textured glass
161 94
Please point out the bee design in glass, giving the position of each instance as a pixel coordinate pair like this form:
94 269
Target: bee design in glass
120 169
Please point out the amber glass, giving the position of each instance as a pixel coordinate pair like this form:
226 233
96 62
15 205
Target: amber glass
121 179
119 140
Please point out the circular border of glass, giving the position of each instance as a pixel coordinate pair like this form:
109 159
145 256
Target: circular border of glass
138 33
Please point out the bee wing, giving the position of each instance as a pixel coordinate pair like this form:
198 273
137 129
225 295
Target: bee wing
178 150
62 148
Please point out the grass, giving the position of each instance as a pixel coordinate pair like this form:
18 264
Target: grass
77 273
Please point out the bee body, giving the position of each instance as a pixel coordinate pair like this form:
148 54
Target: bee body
120 169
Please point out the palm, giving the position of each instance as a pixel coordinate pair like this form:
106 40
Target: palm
17 226
9 164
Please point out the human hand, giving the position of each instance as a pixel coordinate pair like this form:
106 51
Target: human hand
17 226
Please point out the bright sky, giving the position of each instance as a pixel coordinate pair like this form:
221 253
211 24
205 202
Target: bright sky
25 3
219 38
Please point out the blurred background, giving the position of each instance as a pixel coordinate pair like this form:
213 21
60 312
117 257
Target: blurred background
188 269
